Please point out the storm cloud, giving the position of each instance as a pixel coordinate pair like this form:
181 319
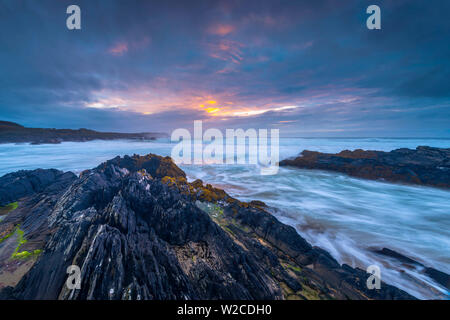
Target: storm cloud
309 68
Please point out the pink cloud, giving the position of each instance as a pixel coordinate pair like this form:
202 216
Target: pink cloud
221 29
227 50
119 49
122 47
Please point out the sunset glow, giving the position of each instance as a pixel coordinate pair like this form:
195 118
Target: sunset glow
228 63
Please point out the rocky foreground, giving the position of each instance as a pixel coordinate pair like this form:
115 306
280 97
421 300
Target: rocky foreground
138 230
11 132
424 165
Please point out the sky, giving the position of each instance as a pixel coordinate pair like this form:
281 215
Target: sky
307 68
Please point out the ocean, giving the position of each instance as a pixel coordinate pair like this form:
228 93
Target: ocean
348 217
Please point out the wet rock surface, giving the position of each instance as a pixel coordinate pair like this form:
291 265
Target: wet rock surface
138 230
424 165
440 277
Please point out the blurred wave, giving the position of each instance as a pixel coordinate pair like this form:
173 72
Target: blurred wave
346 216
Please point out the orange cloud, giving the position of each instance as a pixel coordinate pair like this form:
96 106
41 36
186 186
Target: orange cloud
151 101
212 110
119 49
209 110
221 29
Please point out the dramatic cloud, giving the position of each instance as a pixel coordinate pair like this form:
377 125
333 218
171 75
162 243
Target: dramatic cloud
310 68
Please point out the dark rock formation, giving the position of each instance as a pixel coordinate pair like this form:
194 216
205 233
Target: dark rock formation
440 277
11 132
24 183
138 230
424 165
5 124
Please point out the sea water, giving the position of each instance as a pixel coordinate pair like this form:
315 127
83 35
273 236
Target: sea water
348 217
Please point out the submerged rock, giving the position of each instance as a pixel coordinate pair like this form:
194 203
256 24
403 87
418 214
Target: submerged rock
440 277
423 166
138 230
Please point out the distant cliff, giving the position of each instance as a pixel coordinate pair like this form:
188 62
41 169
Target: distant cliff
424 165
11 132
138 230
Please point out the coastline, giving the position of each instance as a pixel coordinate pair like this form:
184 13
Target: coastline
11 132
303 272
207 169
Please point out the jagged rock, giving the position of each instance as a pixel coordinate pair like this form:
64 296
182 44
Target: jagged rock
424 165
27 182
440 277
154 165
138 230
